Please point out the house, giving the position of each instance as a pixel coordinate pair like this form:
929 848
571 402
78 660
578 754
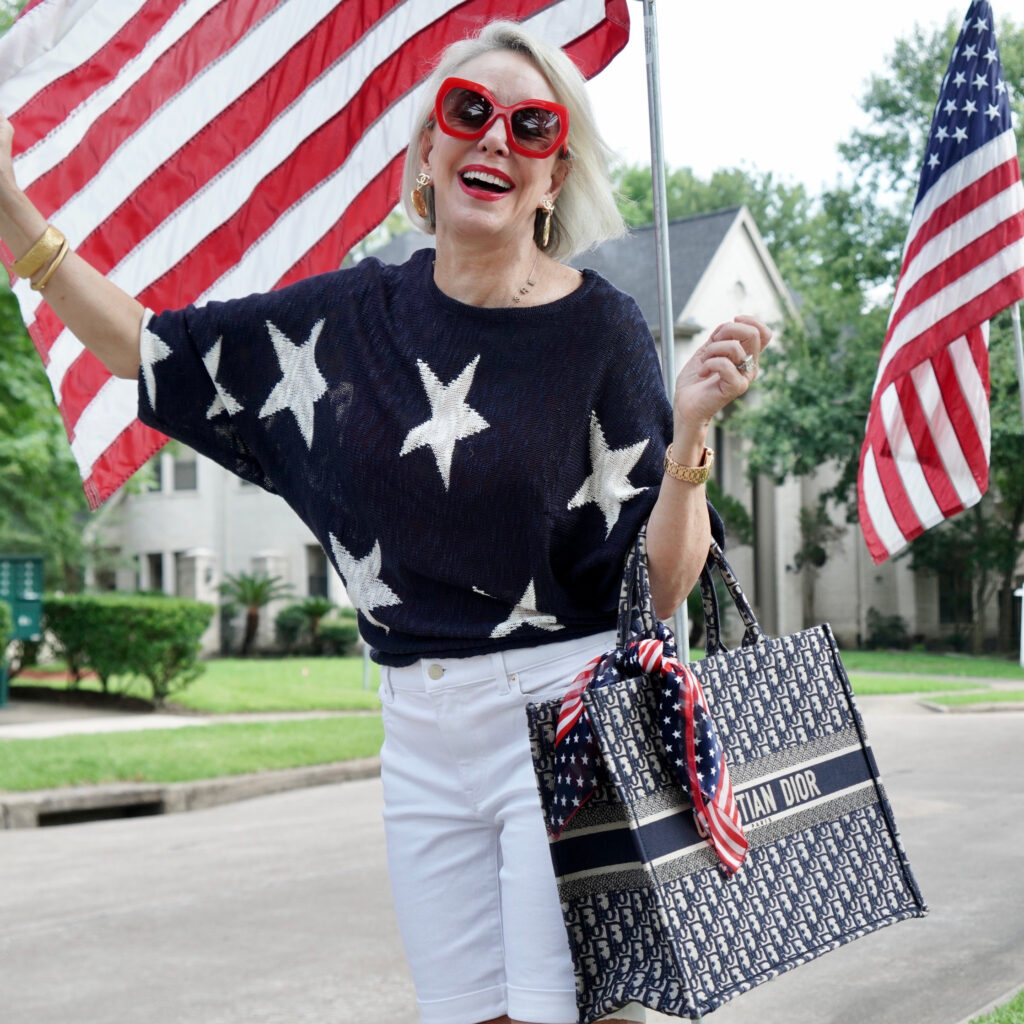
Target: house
198 522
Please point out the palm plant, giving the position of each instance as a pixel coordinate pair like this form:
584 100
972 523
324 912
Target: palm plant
253 591
314 609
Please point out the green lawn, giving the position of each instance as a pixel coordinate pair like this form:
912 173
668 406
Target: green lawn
192 752
265 684
986 697
301 684
920 663
872 685
1009 1013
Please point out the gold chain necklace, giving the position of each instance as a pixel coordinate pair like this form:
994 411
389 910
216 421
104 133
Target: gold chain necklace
529 281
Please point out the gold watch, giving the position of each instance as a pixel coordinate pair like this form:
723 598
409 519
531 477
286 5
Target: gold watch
690 474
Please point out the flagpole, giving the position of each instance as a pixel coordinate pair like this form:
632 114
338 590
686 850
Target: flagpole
668 334
1018 349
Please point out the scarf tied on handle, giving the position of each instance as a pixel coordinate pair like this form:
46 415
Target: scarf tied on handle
687 730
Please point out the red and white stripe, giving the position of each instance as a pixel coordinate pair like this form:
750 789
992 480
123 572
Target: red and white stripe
207 149
926 449
572 703
720 818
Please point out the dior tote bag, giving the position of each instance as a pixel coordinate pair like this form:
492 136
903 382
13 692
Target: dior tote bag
716 824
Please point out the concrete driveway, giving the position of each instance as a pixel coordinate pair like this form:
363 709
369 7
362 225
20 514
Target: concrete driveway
277 909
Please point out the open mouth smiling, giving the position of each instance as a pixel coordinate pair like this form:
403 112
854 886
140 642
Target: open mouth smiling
484 181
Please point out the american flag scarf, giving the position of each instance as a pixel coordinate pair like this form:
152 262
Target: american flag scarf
687 731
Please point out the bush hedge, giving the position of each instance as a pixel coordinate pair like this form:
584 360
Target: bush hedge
6 625
338 636
153 637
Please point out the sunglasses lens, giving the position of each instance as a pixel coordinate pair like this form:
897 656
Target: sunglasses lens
465 110
535 127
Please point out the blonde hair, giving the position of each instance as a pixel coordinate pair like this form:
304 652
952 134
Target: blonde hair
585 212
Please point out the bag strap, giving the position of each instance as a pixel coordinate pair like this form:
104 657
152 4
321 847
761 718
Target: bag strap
636 606
753 634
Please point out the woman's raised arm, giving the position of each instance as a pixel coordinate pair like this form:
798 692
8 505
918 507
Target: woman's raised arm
104 318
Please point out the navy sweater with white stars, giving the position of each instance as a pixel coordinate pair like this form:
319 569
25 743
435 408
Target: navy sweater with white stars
475 475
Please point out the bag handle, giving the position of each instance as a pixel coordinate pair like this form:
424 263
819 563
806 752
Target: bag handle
636 606
752 634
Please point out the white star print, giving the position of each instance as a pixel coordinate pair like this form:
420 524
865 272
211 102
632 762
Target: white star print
991 111
525 613
960 135
301 385
361 576
971 51
152 349
950 106
980 81
608 485
970 107
225 401
958 78
990 55
451 418
933 161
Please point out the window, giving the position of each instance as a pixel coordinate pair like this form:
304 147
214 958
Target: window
155 565
184 575
185 474
105 574
316 571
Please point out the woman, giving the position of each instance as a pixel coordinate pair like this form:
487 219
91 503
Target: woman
475 437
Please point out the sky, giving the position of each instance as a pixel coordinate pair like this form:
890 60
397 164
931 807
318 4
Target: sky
760 85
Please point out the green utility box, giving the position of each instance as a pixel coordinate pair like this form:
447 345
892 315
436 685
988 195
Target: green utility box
21 586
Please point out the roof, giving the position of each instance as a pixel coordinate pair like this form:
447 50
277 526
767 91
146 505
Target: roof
629 262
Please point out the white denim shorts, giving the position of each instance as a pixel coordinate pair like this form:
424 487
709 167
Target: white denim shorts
471 875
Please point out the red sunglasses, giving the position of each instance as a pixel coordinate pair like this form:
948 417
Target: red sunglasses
466 110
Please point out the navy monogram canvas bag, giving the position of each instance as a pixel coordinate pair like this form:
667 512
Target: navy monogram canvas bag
715 824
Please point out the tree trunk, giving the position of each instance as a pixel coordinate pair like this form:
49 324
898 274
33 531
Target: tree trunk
252 625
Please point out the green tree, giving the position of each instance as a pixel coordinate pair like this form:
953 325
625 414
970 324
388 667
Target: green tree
253 591
42 506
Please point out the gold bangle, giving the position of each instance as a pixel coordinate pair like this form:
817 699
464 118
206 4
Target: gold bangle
698 474
46 246
39 285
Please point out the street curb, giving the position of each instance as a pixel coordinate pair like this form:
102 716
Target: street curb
130 799
995 1004
973 709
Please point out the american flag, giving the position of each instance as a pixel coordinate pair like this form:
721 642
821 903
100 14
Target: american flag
926 449
691 743
206 149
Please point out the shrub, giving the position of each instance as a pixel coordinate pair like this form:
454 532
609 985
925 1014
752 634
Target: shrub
338 636
155 638
887 632
6 629
69 625
289 626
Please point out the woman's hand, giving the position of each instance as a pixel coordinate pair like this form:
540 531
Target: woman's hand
105 319
678 531
711 378
7 182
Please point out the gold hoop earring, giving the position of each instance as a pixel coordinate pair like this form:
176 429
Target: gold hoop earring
423 197
545 236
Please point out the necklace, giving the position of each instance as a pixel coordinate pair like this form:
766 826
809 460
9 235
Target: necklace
525 289
529 281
